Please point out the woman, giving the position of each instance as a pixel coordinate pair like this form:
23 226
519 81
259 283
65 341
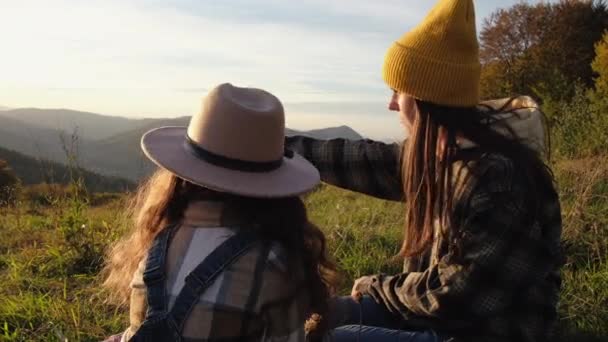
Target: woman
482 235
221 247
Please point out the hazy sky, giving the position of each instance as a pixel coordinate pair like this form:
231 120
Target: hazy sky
157 58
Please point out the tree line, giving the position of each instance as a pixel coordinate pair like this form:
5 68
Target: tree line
558 54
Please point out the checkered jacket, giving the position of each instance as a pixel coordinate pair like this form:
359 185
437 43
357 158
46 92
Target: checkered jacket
498 280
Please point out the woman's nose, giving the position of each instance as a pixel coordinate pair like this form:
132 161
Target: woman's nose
393 105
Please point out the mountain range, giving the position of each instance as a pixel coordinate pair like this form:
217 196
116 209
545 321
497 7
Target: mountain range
108 145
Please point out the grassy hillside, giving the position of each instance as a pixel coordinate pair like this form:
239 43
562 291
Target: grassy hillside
33 171
50 257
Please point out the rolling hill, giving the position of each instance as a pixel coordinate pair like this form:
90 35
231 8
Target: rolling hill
33 140
90 125
35 171
344 132
105 145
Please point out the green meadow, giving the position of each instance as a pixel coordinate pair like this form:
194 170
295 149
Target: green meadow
52 245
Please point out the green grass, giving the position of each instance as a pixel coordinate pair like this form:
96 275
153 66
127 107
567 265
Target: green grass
50 256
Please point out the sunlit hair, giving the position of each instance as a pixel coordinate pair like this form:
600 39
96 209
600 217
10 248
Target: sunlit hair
162 199
427 167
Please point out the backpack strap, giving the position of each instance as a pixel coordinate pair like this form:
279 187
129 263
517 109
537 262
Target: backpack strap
205 273
154 274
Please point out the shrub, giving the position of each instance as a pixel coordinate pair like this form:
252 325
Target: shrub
579 128
9 184
48 194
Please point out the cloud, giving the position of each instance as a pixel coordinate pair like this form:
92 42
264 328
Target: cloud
135 45
335 15
192 90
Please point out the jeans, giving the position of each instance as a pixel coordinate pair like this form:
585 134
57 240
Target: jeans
370 321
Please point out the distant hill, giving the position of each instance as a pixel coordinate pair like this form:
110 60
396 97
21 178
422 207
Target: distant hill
344 132
90 125
125 148
127 137
125 151
100 156
43 133
4 108
32 140
33 171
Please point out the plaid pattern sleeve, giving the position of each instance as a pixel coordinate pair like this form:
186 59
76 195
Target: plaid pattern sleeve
364 166
504 281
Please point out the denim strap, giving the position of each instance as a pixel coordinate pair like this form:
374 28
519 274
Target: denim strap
206 272
256 287
154 274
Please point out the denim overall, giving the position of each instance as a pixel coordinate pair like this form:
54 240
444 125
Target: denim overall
162 324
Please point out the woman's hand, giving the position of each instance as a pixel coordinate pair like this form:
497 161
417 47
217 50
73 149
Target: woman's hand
114 338
361 287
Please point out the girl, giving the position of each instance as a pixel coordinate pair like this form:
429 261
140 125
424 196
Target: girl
481 244
222 248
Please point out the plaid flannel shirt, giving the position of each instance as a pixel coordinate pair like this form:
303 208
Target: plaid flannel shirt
255 289
498 280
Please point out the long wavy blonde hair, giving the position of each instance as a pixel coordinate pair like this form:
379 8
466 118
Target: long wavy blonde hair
162 200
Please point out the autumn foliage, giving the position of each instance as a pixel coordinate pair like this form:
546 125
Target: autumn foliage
557 53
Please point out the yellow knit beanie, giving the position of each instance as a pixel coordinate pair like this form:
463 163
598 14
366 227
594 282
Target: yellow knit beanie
438 61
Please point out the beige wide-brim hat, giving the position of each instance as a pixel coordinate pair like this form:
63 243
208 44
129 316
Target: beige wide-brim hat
235 144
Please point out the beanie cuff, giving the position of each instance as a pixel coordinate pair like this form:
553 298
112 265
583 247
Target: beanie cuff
427 79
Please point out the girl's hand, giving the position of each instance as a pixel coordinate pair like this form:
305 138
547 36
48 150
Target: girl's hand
114 338
360 287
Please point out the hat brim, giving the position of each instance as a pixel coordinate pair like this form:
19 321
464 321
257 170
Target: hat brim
165 147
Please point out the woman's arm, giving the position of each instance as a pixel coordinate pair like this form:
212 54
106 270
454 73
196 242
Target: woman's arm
364 166
502 252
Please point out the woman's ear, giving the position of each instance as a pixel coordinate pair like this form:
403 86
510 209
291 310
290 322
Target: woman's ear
408 111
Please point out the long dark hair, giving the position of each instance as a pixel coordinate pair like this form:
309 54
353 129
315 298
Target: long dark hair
163 199
427 167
